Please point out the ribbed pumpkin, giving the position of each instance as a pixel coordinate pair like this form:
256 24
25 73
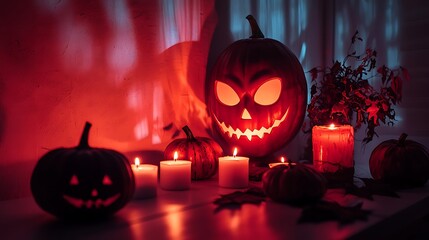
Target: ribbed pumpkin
82 182
256 94
203 152
400 162
294 183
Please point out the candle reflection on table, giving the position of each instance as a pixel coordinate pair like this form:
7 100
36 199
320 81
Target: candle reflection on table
174 221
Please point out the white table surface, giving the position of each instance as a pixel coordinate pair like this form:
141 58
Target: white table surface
191 215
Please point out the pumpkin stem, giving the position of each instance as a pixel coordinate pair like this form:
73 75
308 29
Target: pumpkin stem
84 138
256 31
188 133
402 138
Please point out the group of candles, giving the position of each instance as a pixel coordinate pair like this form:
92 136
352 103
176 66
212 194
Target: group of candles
331 144
176 174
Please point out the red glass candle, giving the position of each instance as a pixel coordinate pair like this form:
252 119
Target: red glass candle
333 148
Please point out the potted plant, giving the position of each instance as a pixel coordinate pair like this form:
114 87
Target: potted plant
352 92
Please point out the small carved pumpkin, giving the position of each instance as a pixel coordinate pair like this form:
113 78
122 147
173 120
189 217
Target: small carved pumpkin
400 162
82 182
294 183
257 94
201 151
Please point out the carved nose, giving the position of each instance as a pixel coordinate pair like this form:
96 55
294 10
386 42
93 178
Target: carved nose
246 114
94 192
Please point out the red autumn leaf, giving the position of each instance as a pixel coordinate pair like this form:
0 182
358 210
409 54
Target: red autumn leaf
368 102
372 112
328 211
385 107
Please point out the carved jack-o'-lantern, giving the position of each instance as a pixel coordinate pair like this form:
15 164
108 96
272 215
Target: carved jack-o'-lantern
257 94
82 182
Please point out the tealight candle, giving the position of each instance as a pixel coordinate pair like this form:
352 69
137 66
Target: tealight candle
146 178
333 148
282 162
234 171
175 174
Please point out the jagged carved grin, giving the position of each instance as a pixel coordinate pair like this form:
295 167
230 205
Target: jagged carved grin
96 203
249 133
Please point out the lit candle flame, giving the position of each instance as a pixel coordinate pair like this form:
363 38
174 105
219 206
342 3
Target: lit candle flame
282 159
235 152
176 155
137 162
332 126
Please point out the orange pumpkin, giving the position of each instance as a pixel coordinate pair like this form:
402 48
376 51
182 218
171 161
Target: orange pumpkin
82 182
256 94
400 162
201 151
294 183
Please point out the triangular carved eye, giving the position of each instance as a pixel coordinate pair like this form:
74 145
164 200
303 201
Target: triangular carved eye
106 180
74 181
226 94
269 92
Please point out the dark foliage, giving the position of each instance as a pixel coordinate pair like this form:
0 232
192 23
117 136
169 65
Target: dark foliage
344 91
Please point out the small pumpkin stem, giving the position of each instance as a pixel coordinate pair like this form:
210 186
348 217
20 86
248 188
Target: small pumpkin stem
402 138
256 31
84 138
188 133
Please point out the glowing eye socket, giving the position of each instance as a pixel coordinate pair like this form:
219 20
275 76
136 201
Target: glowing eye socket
74 181
106 180
269 92
226 94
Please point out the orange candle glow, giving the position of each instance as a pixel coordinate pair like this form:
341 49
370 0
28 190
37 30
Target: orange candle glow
137 162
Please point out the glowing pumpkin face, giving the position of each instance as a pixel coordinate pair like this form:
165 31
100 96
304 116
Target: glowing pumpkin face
257 95
90 193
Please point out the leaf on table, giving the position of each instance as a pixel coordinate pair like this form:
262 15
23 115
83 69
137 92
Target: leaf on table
372 187
235 199
331 211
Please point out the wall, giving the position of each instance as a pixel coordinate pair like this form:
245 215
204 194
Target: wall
396 30
135 69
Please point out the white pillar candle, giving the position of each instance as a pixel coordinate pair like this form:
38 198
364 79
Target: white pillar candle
146 178
333 148
234 171
175 174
